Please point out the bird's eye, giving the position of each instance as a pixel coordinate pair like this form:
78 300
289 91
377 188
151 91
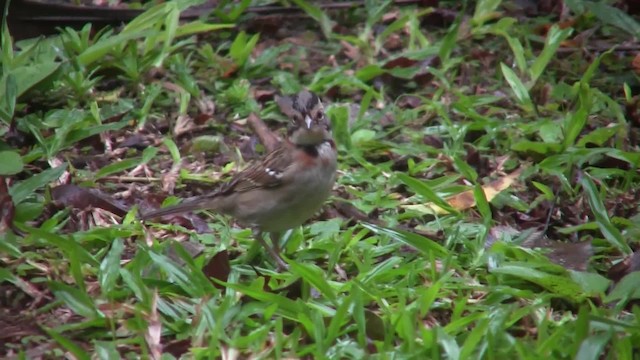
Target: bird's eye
297 118
319 115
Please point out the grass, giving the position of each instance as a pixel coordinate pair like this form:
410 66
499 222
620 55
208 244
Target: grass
486 206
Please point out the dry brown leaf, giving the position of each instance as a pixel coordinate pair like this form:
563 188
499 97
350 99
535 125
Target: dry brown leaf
154 330
466 200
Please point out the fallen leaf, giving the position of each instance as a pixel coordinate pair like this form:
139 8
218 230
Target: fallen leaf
218 268
154 329
466 200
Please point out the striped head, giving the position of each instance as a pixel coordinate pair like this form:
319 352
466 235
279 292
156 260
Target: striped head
308 123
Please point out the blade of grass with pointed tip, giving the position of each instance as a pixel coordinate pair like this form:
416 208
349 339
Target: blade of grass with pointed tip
555 37
314 276
425 191
521 92
421 243
77 351
610 232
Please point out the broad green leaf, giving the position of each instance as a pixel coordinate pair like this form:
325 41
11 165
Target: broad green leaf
28 76
598 136
339 116
106 350
78 301
592 284
615 17
593 347
110 267
628 288
369 72
22 190
11 163
316 277
557 284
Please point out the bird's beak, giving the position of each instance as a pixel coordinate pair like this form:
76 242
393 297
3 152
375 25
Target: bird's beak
308 121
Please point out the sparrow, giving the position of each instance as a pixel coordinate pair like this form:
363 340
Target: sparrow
287 187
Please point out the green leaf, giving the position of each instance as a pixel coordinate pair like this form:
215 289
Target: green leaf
482 204
286 307
11 95
592 284
485 10
598 136
574 123
78 301
326 25
6 40
628 288
339 116
425 191
116 167
242 47
449 41
316 277
421 243
74 349
11 163
26 77
614 17
535 146
176 273
369 72
555 36
560 285
610 232
521 92
593 347
110 267
175 152
104 46
20 191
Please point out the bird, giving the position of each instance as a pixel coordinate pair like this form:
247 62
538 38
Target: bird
286 187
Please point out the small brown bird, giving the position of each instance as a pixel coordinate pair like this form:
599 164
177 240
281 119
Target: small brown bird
287 187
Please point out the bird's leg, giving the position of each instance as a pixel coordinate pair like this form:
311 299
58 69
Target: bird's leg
276 237
282 265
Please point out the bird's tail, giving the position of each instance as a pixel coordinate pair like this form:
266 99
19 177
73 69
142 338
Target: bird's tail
199 203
